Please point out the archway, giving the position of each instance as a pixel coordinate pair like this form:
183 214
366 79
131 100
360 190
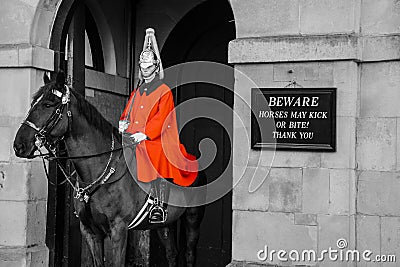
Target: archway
82 41
203 34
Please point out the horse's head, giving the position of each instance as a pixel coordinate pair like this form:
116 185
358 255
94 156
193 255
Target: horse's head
43 122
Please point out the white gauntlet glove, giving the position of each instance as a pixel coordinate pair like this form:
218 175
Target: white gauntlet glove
139 137
122 126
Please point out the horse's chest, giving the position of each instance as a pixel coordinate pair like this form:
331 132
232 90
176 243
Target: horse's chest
92 217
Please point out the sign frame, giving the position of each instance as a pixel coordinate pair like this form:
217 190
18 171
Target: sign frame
330 146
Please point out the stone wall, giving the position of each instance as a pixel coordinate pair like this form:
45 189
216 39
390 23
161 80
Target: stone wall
310 200
23 187
25 28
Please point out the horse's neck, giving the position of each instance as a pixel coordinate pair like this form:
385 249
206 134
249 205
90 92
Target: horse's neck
84 139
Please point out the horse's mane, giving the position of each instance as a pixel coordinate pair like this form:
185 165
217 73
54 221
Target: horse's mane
91 114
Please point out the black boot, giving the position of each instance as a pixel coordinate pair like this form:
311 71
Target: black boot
160 194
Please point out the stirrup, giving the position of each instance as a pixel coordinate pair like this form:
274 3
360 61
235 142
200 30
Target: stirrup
157 214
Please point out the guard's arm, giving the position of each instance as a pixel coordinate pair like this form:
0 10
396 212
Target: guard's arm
125 113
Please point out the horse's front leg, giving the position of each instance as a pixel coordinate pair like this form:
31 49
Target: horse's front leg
96 245
119 236
167 237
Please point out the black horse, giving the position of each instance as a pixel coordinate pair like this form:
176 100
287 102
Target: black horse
108 197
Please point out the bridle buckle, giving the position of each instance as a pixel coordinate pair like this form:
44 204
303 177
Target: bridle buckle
39 142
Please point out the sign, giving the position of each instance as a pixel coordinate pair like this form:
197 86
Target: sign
294 118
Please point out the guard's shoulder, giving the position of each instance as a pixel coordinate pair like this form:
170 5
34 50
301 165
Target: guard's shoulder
164 88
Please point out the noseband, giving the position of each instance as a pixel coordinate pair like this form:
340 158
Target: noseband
43 134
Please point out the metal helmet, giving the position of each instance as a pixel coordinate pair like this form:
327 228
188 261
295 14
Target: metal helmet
149 59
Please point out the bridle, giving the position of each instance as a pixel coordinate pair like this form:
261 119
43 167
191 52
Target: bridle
43 139
43 134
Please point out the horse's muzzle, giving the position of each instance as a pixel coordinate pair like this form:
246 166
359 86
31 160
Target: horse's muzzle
19 149
22 151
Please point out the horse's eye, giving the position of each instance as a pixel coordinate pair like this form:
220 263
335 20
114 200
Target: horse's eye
47 105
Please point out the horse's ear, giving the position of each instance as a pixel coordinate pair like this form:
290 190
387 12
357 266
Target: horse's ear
60 79
46 78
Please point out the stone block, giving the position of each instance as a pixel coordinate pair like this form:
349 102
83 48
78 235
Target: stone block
305 219
13 181
285 189
32 3
376 144
245 156
36 56
13 258
13 223
377 191
16 21
345 154
380 48
294 48
331 228
325 16
342 192
24 223
346 80
36 256
305 74
8 56
380 17
5 143
313 74
265 18
14 92
39 257
295 159
390 238
252 231
25 55
315 191
368 236
37 182
41 35
243 199
36 223
252 76
379 89
398 143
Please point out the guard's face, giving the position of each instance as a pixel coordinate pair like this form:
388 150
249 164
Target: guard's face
147 64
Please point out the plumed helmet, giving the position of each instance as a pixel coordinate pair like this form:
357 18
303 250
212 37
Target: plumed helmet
150 54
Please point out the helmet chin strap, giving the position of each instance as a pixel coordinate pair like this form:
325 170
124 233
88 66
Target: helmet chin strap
149 77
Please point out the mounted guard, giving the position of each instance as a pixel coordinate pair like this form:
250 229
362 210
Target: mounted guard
149 119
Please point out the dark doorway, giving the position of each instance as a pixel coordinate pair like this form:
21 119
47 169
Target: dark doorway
74 21
203 35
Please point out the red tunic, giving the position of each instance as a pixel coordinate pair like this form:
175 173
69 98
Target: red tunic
153 113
